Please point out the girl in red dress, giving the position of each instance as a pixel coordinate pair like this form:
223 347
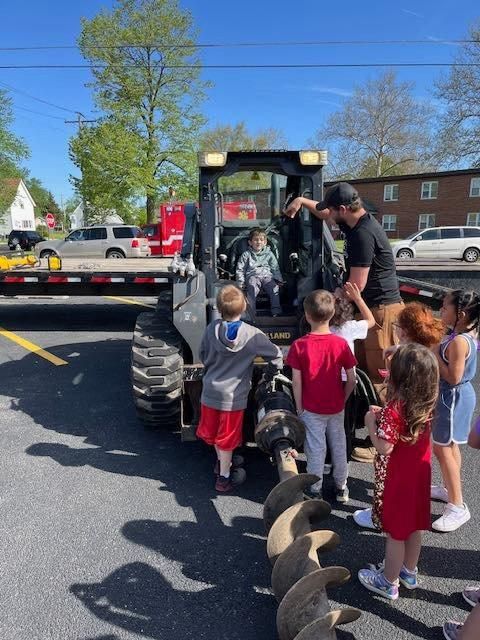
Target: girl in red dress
400 433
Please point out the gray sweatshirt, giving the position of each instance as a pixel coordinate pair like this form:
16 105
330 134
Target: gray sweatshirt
262 263
229 364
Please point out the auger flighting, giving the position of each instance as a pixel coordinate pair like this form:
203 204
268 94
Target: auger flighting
294 540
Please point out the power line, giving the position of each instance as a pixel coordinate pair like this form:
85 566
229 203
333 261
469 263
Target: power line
39 113
355 65
216 45
28 95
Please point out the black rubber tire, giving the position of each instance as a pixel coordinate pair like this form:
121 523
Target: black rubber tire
471 255
115 254
46 253
157 370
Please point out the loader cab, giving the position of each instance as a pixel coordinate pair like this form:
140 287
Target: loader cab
242 190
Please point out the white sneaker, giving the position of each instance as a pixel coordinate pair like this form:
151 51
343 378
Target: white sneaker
363 517
327 469
452 518
437 492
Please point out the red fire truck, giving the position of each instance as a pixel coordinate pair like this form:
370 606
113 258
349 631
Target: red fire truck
165 236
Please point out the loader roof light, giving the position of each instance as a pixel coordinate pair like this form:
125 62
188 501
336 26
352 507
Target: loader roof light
314 157
212 158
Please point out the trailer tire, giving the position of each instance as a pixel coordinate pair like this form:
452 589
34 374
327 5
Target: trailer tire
157 371
471 254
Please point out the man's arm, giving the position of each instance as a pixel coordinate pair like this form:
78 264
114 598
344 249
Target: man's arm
311 205
350 384
359 276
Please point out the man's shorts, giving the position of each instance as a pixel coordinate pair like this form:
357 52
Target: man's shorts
221 428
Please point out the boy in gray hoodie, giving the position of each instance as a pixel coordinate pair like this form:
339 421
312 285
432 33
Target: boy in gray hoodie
257 269
229 347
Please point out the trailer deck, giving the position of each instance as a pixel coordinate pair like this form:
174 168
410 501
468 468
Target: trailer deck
89 277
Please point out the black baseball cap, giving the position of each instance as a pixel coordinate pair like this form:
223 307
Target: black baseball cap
338 194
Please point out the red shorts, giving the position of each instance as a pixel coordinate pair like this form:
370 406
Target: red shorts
223 428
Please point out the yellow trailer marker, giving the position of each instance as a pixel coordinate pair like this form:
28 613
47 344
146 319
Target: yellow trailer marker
30 346
128 301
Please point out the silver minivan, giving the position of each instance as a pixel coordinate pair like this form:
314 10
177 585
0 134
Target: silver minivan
98 241
440 243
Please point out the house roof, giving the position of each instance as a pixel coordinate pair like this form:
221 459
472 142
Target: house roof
411 176
15 183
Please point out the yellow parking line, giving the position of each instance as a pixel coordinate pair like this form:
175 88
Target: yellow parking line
26 344
128 301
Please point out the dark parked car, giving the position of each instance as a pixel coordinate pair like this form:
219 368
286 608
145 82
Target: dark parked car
23 239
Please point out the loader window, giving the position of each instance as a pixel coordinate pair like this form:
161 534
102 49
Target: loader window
250 198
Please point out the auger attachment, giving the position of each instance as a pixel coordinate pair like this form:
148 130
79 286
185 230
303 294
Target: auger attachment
295 539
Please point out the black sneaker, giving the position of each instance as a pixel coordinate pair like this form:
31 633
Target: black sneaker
342 495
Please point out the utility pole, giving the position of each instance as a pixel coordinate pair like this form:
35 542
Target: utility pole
80 122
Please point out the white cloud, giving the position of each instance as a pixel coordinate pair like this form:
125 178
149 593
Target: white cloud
412 13
335 91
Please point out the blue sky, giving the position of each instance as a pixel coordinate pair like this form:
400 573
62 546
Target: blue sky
295 101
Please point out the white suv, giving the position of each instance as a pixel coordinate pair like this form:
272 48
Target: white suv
98 241
440 242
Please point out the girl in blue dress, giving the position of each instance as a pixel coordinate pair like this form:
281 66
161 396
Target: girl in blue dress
457 358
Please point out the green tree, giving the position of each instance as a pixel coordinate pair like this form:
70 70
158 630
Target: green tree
459 131
226 137
380 130
237 137
13 150
147 83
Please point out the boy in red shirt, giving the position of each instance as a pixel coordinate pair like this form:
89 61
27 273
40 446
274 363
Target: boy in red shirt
317 360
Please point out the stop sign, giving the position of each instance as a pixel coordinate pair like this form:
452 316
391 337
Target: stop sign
50 220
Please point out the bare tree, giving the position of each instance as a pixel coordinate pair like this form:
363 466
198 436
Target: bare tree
381 130
459 139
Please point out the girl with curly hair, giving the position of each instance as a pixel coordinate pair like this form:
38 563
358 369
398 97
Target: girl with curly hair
400 432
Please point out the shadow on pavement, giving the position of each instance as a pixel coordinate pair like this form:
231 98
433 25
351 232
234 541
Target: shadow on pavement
222 567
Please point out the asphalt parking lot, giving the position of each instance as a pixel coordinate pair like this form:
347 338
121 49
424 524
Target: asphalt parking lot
109 531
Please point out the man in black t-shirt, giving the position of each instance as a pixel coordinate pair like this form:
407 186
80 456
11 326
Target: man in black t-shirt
370 265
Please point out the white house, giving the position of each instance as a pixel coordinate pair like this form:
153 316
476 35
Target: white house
21 213
77 218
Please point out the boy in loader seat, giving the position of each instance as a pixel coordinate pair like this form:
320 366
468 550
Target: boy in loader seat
258 269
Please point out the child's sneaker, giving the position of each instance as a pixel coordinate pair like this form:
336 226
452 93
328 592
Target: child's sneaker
452 629
237 476
472 595
375 581
363 517
452 518
409 579
342 495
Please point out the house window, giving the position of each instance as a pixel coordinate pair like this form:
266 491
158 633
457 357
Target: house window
429 190
473 219
426 220
390 192
475 188
389 223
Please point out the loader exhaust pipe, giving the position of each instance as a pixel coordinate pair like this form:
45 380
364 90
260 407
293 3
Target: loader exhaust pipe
294 540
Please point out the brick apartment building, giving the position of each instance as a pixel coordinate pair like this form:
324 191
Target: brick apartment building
408 203
404 204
